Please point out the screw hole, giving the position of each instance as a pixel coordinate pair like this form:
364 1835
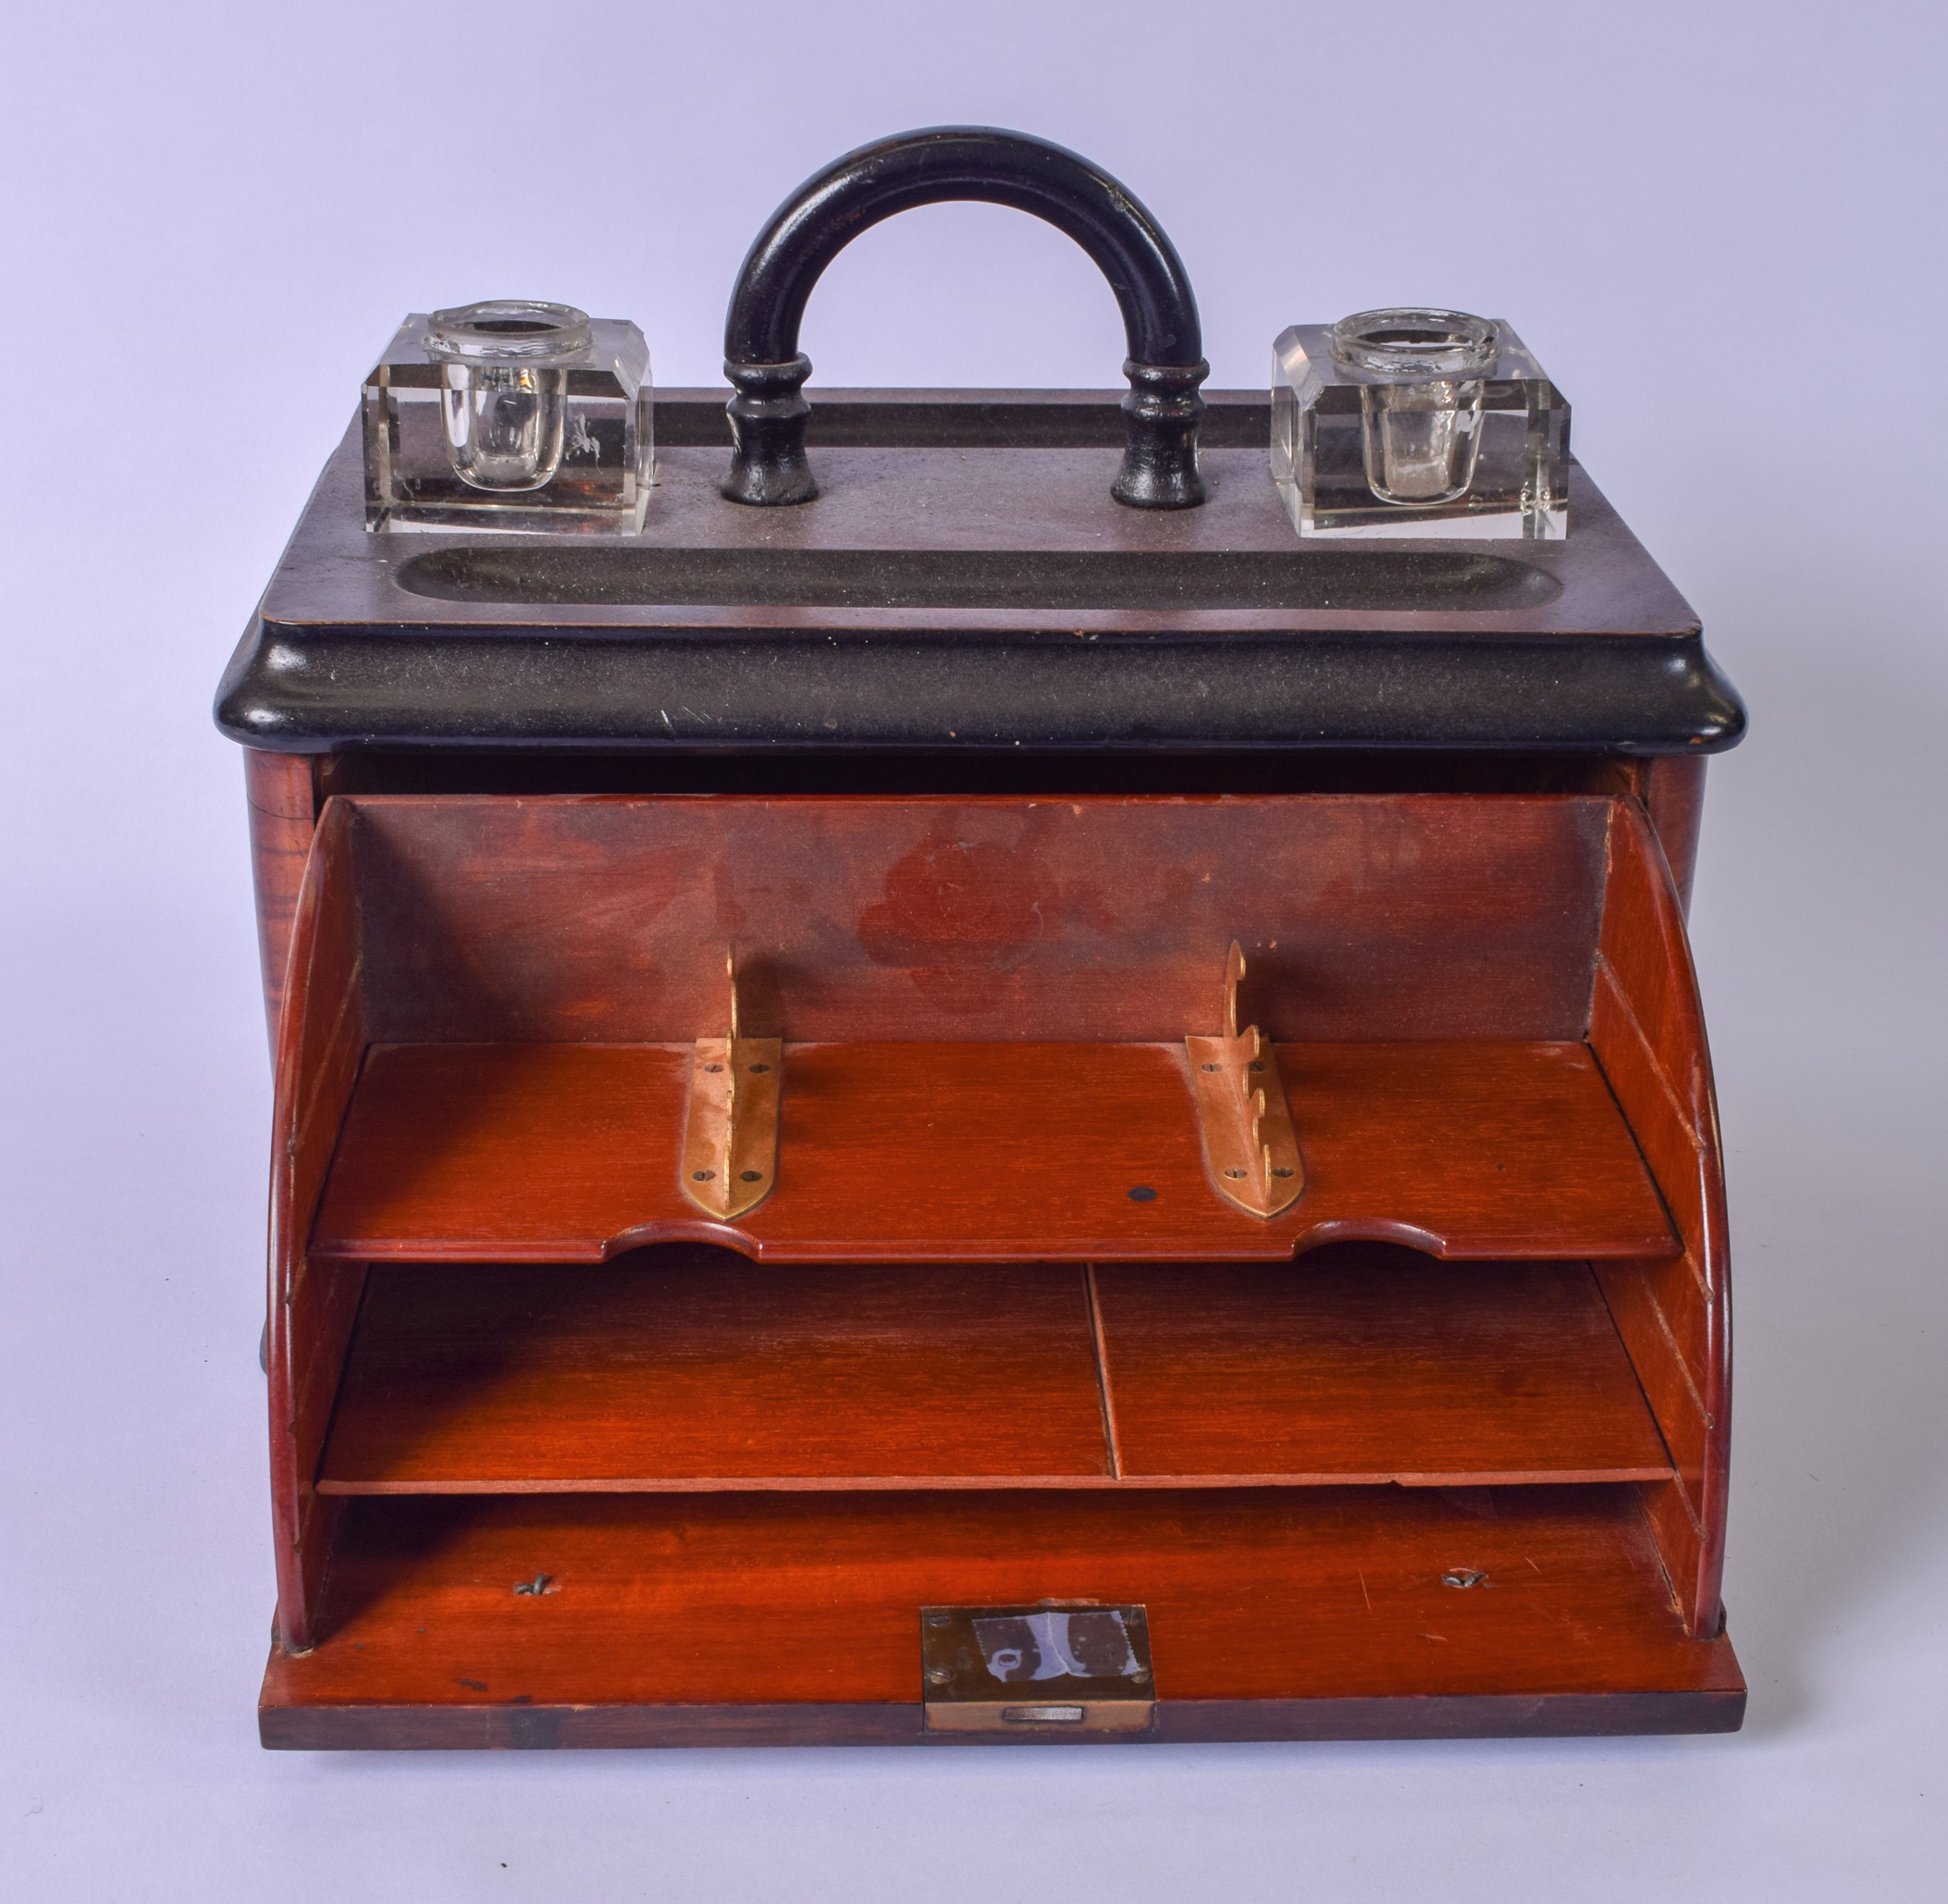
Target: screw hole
702 1176
760 1067
1281 1170
753 1176
1142 1194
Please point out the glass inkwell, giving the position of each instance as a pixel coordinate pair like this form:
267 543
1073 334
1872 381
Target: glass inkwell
510 415
1417 422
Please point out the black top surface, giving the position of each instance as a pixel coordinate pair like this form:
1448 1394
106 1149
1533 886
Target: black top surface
965 581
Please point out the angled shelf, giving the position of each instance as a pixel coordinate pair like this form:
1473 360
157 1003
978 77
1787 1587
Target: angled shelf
985 1152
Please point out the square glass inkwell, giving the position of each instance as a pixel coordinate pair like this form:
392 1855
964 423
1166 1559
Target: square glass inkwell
510 415
1417 423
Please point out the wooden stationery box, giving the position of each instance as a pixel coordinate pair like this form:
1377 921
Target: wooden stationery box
564 1454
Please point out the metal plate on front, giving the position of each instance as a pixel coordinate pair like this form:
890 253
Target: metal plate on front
1059 1667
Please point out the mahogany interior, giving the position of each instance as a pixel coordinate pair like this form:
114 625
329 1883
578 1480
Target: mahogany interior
966 1365
985 1151
727 1599
690 1368
484 918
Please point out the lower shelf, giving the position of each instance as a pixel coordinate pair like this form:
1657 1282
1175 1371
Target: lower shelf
793 1618
692 1368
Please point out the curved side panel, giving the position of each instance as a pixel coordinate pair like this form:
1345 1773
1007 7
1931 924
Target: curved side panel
1647 1029
321 1043
282 803
1672 789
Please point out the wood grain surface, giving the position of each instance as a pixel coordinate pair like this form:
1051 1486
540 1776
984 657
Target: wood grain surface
1366 1363
726 1601
984 1151
693 1367
690 1368
482 1066
488 919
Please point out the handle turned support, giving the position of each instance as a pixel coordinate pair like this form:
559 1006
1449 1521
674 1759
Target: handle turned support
767 369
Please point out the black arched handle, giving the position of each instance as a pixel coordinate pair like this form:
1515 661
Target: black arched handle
760 344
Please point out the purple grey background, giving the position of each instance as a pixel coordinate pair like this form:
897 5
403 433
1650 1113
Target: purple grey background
1719 226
